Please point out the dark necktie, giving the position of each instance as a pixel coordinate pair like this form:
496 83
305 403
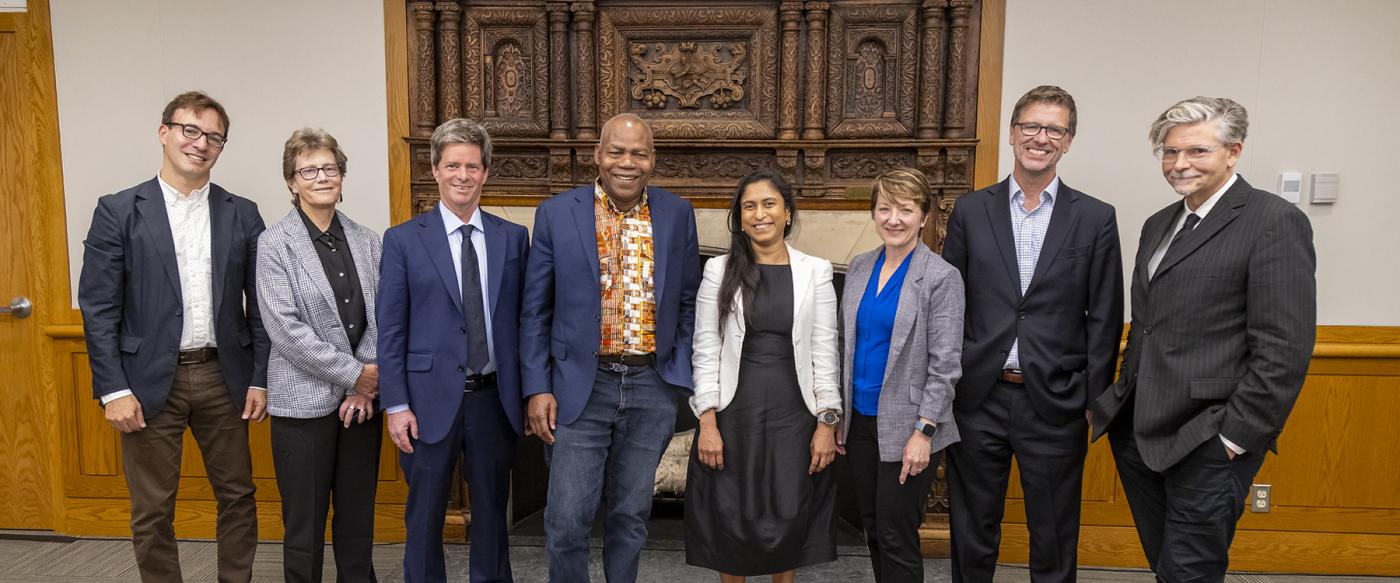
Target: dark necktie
472 307
1191 220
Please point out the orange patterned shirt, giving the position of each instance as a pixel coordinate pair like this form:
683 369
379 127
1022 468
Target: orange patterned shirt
626 270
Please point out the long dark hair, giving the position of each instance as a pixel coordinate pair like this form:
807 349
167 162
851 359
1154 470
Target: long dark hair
741 272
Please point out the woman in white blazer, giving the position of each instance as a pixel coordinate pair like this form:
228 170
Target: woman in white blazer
317 274
759 498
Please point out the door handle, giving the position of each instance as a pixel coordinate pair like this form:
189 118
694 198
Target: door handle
19 307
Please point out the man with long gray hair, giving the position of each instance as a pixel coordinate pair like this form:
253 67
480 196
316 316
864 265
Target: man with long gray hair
1224 302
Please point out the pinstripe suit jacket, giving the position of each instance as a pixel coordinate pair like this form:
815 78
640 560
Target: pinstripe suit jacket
925 358
1222 334
311 368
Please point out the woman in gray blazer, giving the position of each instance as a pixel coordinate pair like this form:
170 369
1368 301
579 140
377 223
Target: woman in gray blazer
317 274
902 329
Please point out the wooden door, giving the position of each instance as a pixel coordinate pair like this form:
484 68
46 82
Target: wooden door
31 224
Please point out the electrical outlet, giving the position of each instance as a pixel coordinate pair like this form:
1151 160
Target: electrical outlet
1259 498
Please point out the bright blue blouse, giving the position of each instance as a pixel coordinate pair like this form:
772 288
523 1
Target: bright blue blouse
874 324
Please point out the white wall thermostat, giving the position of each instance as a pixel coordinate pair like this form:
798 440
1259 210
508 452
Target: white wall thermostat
1290 186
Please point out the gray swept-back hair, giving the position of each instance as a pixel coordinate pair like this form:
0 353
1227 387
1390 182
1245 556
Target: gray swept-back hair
1232 119
461 131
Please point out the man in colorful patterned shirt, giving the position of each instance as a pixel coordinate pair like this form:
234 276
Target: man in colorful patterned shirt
606 326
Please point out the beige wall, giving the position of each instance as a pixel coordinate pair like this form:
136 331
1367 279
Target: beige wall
1318 79
1315 77
276 66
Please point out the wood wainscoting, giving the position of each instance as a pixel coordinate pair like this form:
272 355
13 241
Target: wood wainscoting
1335 483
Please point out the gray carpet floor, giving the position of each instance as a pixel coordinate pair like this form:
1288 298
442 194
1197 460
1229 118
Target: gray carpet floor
112 561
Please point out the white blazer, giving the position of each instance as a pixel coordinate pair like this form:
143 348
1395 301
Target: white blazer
716 360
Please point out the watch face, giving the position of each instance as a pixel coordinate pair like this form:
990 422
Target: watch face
928 429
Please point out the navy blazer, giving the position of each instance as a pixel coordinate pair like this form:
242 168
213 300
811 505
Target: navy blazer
422 333
129 293
560 329
1069 321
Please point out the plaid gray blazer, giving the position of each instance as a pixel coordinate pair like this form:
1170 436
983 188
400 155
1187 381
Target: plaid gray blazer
925 349
311 369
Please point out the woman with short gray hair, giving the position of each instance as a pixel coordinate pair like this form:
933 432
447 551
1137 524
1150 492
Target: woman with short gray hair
317 273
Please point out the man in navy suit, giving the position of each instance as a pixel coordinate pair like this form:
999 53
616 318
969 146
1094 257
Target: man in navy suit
1044 286
449 378
174 337
606 328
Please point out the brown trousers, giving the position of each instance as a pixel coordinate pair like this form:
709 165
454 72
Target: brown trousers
151 459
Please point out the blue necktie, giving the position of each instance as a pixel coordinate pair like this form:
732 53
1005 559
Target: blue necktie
473 308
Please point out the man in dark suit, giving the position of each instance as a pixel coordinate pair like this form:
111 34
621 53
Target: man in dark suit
448 312
1044 317
174 339
606 328
1224 315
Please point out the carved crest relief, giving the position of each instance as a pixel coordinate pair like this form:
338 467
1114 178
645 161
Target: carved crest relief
688 71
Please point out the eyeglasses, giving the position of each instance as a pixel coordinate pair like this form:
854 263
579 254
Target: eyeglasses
1053 132
1193 154
193 133
309 173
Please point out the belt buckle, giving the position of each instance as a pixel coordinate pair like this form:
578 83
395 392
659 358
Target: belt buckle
617 367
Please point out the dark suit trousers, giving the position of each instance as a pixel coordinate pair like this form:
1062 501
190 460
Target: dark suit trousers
151 459
1050 458
486 441
890 512
1186 515
315 459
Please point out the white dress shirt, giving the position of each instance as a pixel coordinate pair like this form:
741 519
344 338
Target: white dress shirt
1200 211
1028 230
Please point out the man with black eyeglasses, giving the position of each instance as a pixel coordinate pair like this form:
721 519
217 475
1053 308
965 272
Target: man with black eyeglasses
174 338
1044 281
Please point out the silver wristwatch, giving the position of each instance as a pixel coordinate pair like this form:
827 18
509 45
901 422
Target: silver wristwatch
829 417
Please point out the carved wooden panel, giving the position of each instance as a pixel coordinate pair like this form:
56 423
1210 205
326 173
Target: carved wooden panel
693 73
506 70
872 66
828 92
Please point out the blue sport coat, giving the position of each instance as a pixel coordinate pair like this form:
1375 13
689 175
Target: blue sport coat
560 318
422 332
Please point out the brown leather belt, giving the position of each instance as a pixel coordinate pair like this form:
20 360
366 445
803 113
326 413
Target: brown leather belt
198 355
647 359
1013 375
483 382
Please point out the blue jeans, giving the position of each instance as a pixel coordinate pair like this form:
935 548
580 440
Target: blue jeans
609 452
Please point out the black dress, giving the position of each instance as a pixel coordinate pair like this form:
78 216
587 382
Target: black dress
762 513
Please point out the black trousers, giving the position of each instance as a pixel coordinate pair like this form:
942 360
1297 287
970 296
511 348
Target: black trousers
890 512
1186 515
1050 458
318 460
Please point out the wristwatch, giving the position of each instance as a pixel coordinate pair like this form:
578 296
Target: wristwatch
926 428
829 417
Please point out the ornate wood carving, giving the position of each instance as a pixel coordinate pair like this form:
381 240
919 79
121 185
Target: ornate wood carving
558 70
828 92
507 51
931 73
585 71
816 70
787 106
421 65
449 60
959 118
872 69
641 65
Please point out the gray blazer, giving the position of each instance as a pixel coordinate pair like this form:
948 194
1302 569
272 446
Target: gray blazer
925 359
311 369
